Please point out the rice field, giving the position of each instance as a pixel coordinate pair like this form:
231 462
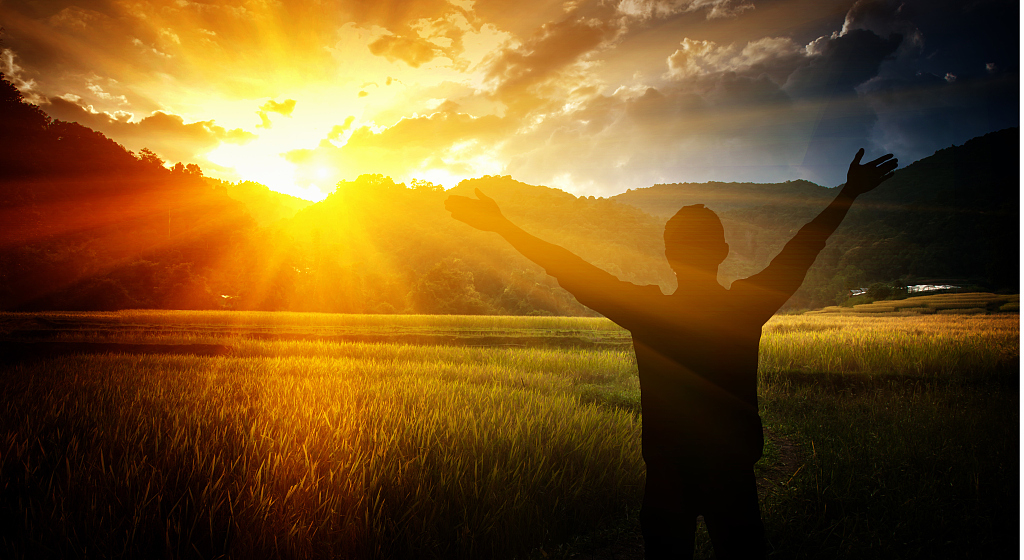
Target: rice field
517 437
950 304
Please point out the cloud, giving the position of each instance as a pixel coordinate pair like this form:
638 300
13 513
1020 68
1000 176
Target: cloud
844 62
611 143
99 93
166 134
414 51
446 142
771 109
284 108
15 74
603 95
884 18
698 58
555 48
767 109
339 129
659 9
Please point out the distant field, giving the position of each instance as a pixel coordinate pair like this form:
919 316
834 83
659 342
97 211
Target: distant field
205 434
226 327
963 304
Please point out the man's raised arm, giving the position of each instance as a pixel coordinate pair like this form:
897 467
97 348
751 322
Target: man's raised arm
783 276
585 281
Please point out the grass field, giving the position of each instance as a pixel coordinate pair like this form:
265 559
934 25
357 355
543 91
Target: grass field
331 436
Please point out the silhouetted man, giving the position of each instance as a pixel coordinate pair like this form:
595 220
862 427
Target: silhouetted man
696 351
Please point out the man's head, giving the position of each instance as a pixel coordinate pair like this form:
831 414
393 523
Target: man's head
695 241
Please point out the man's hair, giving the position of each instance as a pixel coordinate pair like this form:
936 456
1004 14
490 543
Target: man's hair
693 229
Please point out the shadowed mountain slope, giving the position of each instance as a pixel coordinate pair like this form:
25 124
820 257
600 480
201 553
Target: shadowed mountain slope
89 225
952 215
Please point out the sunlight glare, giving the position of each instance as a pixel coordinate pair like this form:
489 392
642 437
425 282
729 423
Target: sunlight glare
266 168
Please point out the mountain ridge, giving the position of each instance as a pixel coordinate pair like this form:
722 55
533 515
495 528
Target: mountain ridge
93 226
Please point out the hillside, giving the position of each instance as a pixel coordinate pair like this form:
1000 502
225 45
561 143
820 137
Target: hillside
264 205
758 218
394 248
90 225
954 214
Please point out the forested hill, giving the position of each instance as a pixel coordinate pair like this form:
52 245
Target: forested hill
89 225
264 205
665 200
377 246
758 218
953 215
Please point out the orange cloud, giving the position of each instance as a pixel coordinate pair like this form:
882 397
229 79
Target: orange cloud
553 49
284 108
166 134
446 141
339 129
414 51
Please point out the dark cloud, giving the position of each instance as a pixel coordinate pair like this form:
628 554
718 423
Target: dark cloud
960 79
844 63
885 18
829 81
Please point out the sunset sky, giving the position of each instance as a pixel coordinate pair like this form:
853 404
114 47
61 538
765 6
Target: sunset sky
593 97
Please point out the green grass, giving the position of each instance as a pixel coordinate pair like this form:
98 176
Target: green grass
307 447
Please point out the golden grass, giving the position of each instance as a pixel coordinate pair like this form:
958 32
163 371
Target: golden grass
874 344
367 451
310 448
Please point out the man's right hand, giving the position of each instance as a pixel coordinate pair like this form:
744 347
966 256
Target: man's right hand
481 212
